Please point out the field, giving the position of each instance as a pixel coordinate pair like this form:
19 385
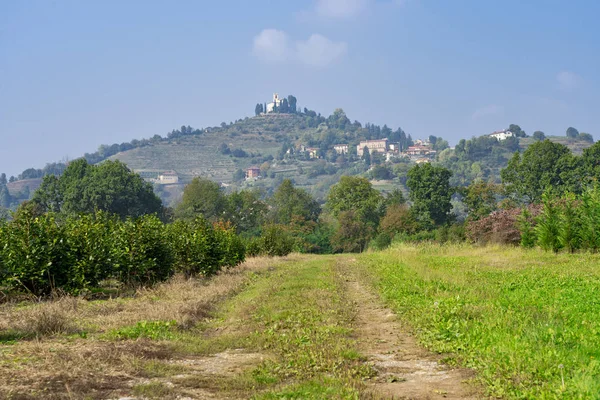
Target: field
419 322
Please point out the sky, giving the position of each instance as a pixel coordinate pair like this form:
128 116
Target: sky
78 74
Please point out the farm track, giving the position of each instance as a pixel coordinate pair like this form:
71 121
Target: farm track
404 369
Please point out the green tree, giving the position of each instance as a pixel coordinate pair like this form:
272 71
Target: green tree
290 203
356 194
395 197
572 132
292 102
245 210
539 135
3 180
430 192
353 233
110 187
480 199
542 166
5 198
258 109
517 131
366 156
586 137
201 197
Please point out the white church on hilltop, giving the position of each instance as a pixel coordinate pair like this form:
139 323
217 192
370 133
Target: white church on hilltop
276 103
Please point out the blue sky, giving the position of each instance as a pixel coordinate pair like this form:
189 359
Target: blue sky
78 74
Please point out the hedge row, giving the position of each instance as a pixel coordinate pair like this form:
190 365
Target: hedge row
42 254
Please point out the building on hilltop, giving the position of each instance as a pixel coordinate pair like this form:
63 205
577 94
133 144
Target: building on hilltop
378 145
502 135
276 103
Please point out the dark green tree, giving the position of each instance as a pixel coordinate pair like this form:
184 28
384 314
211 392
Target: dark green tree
5 198
430 192
517 131
539 135
572 132
542 166
3 180
292 102
366 156
258 109
586 137
110 187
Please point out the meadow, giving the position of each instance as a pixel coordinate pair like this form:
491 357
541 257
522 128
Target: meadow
526 321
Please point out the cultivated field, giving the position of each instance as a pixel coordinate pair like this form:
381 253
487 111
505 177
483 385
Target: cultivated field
419 322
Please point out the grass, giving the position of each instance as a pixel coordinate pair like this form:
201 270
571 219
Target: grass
528 322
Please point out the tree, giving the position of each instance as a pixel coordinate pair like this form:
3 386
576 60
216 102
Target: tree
238 175
517 131
353 233
542 166
539 135
110 187
398 219
356 194
395 197
3 180
245 210
290 203
5 198
366 156
292 102
285 107
572 132
586 137
258 109
480 199
201 197
430 193
12 179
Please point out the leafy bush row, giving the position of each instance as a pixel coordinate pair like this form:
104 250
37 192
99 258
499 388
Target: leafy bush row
40 254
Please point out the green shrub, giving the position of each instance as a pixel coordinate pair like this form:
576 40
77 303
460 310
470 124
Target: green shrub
37 257
91 245
190 245
275 241
381 241
142 251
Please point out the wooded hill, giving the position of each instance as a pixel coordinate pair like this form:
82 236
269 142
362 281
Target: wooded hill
274 143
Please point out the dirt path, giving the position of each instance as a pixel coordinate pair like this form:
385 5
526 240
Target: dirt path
405 370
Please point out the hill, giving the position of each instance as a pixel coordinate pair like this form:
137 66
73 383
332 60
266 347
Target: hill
298 145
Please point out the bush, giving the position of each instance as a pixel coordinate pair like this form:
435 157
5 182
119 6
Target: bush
36 255
275 241
142 251
381 241
500 227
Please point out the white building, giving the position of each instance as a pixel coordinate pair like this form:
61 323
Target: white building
341 148
275 103
167 178
502 135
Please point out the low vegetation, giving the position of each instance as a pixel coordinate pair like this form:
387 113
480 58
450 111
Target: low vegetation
526 321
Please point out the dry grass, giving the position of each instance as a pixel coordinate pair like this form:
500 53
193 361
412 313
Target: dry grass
55 349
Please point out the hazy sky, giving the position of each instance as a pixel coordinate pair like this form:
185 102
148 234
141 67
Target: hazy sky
77 74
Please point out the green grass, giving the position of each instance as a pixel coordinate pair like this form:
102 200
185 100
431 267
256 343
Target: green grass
301 318
524 320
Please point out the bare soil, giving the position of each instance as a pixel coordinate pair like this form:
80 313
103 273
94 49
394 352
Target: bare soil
404 369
